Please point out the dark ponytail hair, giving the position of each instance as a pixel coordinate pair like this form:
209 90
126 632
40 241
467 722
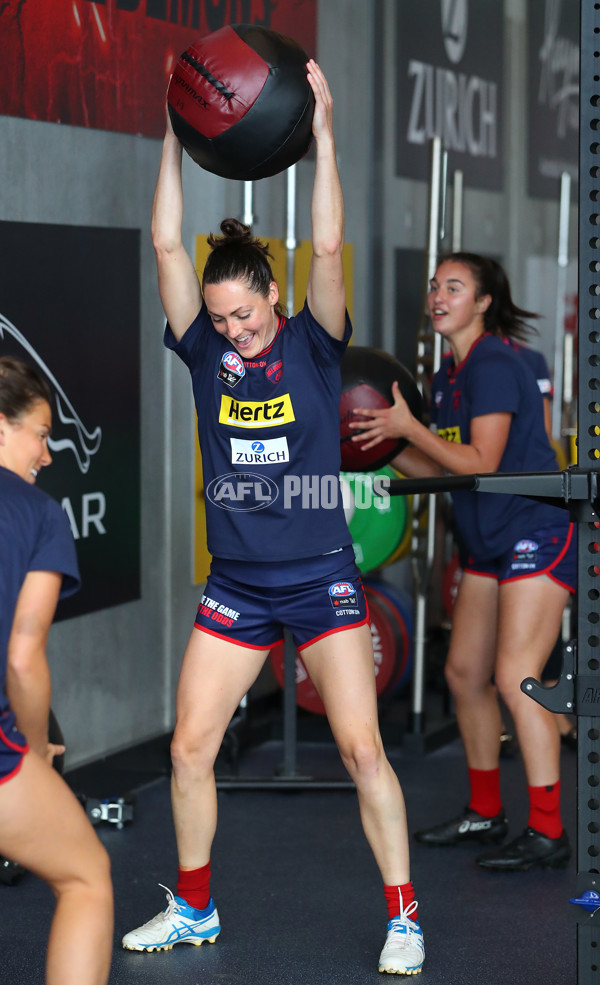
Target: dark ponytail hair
20 388
502 317
238 255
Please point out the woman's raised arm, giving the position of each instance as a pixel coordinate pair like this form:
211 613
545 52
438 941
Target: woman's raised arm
326 292
178 283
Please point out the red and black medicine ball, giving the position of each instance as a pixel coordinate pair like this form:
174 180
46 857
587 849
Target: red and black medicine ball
240 102
367 377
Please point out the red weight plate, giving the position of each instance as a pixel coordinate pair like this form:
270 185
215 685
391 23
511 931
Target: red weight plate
450 581
403 636
385 654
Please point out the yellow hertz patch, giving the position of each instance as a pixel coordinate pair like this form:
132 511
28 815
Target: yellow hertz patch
256 413
450 434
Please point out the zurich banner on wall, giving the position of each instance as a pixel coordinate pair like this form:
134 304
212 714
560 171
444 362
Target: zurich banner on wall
553 126
449 58
69 306
106 64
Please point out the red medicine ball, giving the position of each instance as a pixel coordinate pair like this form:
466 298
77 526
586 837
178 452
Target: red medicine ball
367 377
240 102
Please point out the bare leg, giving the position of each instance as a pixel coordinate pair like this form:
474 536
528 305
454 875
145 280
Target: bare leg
44 828
341 667
214 677
469 669
530 618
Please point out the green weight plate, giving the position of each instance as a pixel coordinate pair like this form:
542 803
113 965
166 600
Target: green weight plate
379 523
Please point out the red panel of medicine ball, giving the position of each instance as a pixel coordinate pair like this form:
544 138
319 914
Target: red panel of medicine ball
240 102
384 656
367 377
354 459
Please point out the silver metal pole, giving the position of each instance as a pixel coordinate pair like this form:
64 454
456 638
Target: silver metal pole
568 370
422 565
291 242
248 216
457 211
561 288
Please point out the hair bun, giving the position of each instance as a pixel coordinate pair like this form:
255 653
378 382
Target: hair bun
235 231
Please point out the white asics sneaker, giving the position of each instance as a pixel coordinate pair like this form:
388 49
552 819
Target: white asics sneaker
179 923
403 952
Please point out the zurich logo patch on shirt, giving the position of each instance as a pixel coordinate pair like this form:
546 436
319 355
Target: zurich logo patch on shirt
231 369
268 452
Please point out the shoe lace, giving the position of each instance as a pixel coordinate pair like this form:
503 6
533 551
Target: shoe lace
403 928
171 907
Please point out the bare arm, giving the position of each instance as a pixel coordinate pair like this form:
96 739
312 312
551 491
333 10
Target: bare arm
415 465
178 283
27 674
489 434
326 292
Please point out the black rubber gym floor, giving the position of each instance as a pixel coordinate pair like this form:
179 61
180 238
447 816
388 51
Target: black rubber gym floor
299 895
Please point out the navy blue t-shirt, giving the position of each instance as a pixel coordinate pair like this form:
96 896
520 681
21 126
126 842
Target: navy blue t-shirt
269 431
492 379
538 365
34 536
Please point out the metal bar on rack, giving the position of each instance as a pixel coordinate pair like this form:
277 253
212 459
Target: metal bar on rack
291 243
561 289
457 211
248 203
426 365
290 725
587 664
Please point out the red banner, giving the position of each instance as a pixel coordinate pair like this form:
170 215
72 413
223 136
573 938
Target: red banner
106 64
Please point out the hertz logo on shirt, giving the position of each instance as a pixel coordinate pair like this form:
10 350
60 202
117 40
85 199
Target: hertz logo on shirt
256 413
450 434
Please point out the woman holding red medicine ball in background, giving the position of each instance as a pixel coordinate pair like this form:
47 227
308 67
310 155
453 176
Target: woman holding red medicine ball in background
519 556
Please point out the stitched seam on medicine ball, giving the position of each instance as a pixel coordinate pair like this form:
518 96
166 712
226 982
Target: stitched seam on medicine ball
219 86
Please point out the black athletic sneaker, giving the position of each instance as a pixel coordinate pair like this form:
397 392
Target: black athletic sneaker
468 826
530 850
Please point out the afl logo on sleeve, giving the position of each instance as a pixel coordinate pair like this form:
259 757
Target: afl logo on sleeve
231 369
256 413
342 593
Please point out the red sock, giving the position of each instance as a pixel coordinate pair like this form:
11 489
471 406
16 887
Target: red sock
193 886
396 895
544 810
485 792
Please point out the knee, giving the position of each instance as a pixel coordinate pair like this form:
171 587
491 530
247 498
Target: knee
457 678
193 751
461 679
362 756
87 878
508 686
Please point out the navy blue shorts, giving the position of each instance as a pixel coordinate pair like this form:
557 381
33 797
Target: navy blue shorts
249 604
13 746
550 550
